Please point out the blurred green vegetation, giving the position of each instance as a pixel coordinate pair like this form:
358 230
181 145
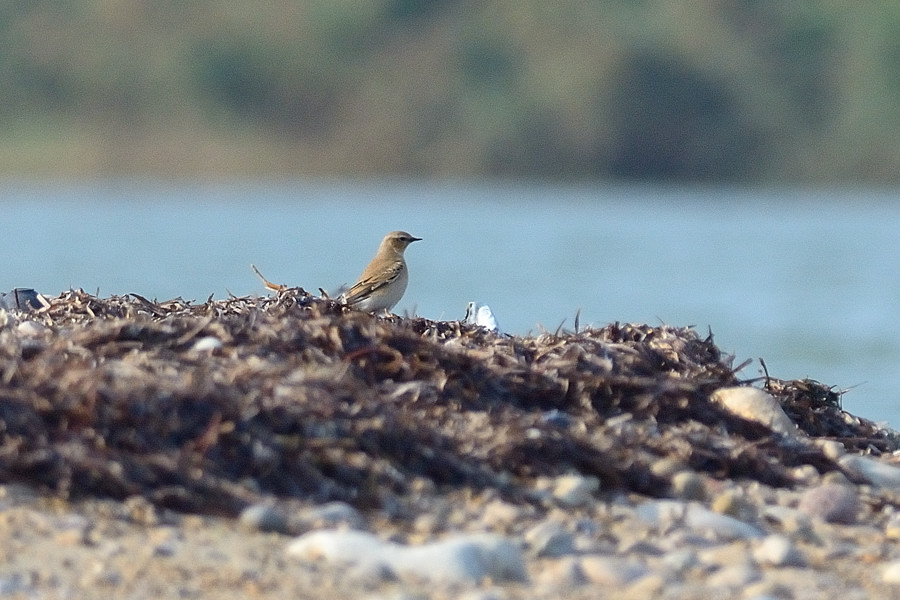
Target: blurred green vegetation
747 91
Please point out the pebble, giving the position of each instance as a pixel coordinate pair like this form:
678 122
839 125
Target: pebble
779 551
756 405
331 515
668 513
734 504
611 570
891 573
667 467
688 485
31 328
734 576
573 491
207 344
831 448
549 538
458 559
679 561
831 502
563 572
263 517
874 471
500 515
892 529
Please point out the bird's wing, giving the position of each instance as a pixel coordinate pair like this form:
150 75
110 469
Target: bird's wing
369 282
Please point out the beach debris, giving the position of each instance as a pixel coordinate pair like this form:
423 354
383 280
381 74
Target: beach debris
215 406
24 299
481 315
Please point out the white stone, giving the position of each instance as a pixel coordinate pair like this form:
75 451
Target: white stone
573 491
207 344
665 514
680 561
779 551
874 471
891 572
562 572
831 448
337 546
30 329
688 485
734 576
332 514
831 502
263 517
756 405
460 559
549 538
611 570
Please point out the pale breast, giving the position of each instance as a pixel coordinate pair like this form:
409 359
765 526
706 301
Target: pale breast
385 298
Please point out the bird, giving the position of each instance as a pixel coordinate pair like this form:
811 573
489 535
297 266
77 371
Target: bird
384 280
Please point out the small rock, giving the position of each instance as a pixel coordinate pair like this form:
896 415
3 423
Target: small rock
140 510
875 472
263 517
679 561
15 583
836 477
725 555
549 538
611 570
768 590
734 504
805 474
892 529
668 513
891 572
491 594
564 572
31 329
831 502
573 491
778 551
336 546
461 559
734 576
650 585
207 344
639 546
667 467
331 515
499 515
756 405
688 485
831 448
792 521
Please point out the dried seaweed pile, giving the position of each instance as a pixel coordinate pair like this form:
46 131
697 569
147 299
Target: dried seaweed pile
204 407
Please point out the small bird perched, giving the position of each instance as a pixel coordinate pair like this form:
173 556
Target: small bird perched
383 282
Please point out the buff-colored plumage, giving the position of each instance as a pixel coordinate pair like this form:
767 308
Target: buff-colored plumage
383 282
